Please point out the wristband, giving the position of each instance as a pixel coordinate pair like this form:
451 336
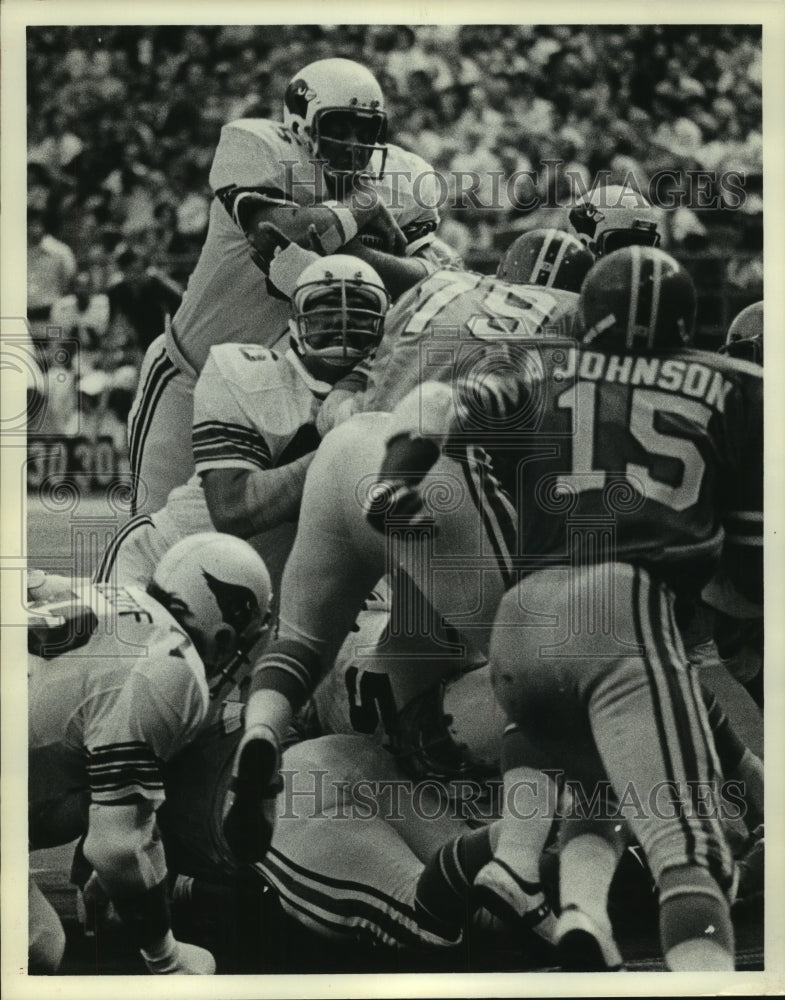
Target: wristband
344 229
287 266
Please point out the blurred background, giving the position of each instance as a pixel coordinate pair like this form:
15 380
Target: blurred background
123 123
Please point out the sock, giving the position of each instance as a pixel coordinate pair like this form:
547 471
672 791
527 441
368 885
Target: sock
695 925
283 679
268 708
587 864
530 798
442 898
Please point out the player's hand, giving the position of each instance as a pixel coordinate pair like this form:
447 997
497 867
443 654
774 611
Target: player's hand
170 957
390 499
338 405
379 231
94 908
396 493
249 823
266 242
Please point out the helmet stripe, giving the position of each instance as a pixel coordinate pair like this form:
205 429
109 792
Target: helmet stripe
561 243
655 300
542 257
635 276
643 317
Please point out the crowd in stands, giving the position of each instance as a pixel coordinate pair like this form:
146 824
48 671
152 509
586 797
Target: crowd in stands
123 123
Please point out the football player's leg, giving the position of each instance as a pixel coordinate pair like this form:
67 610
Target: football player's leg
46 937
337 859
334 563
159 430
275 546
653 735
590 848
541 736
465 568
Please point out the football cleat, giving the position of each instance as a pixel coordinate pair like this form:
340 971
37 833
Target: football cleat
249 822
514 900
583 945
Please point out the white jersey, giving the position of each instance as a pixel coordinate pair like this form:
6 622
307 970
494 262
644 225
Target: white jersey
442 325
254 409
116 689
228 298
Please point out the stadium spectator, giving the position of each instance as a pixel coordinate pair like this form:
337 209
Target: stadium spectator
139 304
51 266
84 316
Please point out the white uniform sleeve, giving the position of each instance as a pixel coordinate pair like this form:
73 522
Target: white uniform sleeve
157 712
223 434
250 154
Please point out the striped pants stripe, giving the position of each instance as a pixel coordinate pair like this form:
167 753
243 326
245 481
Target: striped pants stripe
114 566
340 865
159 430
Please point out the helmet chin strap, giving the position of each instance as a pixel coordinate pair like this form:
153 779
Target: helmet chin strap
236 661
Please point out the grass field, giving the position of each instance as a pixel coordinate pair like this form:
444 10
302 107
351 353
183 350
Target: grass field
69 541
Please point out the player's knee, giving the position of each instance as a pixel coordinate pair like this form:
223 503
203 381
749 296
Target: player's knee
509 656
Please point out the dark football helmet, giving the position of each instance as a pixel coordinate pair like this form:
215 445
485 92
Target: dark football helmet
638 298
547 257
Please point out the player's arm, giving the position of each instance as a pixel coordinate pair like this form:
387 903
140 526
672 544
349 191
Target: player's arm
285 238
125 849
243 502
246 492
157 711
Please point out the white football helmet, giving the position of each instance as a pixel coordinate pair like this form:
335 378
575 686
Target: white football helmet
337 107
338 310
212 582
745 335
617 216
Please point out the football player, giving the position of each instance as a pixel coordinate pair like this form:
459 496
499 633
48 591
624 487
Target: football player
456 317
738 623
319 181
642 454
120 681
254 431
